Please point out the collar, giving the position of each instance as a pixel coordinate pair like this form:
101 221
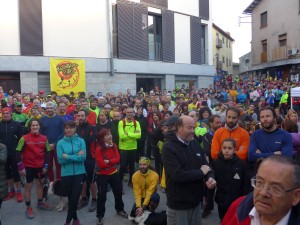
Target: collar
186 143
231 129
254 216
109 145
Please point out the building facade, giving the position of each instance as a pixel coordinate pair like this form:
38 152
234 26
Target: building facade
125 44
275 46
222 50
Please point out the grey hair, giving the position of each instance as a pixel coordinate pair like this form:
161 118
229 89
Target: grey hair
51 104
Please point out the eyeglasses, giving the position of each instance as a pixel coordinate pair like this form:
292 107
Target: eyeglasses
273 189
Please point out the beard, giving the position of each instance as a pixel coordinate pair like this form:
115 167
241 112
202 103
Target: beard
267 125
231 125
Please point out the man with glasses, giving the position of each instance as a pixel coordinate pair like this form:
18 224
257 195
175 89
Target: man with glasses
276 195
129 131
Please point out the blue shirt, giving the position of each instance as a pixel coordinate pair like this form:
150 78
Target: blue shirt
268 143
53 128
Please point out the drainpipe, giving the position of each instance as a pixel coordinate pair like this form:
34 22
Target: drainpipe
109 30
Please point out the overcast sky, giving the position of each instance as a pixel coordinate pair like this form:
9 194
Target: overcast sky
225 15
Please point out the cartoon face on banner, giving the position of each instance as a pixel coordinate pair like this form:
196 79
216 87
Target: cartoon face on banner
68 73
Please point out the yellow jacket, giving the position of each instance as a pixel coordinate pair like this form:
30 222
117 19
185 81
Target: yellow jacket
144 186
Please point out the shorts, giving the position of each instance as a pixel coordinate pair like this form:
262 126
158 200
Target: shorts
89 165
33 173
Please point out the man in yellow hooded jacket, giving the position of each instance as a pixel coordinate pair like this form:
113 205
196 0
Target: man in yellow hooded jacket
144 188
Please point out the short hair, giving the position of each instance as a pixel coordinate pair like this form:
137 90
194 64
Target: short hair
234 109
85 112
51 104
268 108
70 123
34 120
231 140
286 161
179 123
212 118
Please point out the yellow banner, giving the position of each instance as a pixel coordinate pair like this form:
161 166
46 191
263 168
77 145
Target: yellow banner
67 75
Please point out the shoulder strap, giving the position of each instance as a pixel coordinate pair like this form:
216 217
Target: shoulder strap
124 123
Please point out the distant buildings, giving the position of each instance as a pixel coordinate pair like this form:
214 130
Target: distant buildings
222 50
125 44
275 46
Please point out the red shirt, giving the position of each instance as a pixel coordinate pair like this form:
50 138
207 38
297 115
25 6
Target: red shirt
112 154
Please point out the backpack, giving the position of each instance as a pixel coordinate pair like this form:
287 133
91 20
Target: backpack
124 123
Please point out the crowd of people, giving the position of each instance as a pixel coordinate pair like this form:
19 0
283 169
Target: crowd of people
200 146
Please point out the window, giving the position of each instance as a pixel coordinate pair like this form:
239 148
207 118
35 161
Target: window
227 43
223 59
264 19
227 62
223 40
282 40
203 33
264 45
155 37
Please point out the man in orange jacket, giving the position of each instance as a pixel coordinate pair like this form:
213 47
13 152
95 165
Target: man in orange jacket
231 130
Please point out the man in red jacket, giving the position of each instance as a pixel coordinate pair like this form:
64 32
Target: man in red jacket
276 196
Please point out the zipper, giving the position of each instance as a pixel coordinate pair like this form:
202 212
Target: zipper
72 154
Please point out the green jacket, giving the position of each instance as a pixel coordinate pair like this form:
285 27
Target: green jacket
284 99
128 141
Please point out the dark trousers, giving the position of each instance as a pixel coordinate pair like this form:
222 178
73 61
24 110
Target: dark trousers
127 159
209 194
73 187
158 162
149 146
154 198
140 149
116 186
53 156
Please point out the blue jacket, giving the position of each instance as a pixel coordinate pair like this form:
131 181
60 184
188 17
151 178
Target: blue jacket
53 128
73 164
241 98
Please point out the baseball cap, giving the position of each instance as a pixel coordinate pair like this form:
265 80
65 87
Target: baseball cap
18 104
41 91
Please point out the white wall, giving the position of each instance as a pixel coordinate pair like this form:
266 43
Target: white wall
9 27
182 38
73 28
190 7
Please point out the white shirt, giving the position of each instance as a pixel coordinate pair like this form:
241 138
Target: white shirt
255 218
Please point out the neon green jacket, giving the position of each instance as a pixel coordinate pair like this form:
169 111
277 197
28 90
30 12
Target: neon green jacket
128 141
284 98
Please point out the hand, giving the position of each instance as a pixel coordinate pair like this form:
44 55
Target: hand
52 146
22 173
64 156
125 132
106 161
44 171
258 151
205 169
277 153
81 152
137 131
211 183
139 211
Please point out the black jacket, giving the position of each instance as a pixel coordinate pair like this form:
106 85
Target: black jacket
10 134
115 132
143 124
231 179
3 183
207 141
184 178
88 133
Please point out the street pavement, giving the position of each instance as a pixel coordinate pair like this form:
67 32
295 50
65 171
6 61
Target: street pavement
13 213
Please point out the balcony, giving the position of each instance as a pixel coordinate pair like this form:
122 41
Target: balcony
219 43
279 53
263 57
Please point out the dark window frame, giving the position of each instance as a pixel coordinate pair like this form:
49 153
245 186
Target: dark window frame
264 19
282 40
156 56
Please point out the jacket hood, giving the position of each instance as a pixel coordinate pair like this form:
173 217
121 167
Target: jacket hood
170 135
232 160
